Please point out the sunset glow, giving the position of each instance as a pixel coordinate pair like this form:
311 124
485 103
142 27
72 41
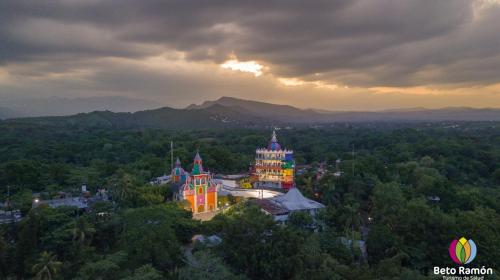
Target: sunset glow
431 54
244 66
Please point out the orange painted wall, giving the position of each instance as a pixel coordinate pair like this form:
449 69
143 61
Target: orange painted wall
190 199
211 198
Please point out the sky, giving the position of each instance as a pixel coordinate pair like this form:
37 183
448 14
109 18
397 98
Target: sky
333 55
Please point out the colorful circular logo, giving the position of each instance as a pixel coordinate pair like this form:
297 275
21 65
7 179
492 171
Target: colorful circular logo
463 251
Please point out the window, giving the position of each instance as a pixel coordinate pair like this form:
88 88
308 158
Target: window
200 190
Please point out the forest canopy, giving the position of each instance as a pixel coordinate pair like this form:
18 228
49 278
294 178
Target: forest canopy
406 190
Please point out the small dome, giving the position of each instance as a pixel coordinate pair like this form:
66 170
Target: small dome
273 144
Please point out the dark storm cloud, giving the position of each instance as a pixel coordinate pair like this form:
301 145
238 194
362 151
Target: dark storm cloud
355 42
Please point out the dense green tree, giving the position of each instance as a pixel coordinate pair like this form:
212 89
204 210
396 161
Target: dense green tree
381 243
155 234
351 217
315 263
301 221
3 256
22 173
421 227
82 231
47 266
206 265
255 245
388 201
27 243
99 270
422 185
123 186
145 272
496 175
483 226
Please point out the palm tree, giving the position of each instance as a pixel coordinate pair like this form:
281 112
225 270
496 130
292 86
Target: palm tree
308 183
82 230
352 217
327 188
122 184
47 266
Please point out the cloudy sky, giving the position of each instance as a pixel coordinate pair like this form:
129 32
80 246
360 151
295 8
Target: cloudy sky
337 55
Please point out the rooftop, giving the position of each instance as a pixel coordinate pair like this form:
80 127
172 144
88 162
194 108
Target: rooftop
294 200
12 216
77 202
270 207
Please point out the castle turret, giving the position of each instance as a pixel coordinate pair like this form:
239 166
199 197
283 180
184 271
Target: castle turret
197 165
199 190
178 173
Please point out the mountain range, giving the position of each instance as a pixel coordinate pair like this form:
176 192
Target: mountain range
19 107
233 112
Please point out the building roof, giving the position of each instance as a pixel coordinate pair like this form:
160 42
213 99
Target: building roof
293 200
270 207
77 202
163 178
12 216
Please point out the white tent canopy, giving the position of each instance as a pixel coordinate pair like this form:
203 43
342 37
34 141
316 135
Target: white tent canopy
293 200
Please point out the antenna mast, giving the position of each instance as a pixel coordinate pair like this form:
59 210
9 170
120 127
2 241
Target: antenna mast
172 155
353 160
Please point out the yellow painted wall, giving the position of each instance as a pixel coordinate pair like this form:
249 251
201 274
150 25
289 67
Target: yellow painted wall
288 172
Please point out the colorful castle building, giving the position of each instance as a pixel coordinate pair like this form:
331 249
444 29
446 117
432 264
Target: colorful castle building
178 173
274 167
199 189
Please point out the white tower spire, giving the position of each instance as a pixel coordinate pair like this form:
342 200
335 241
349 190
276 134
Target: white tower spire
274 139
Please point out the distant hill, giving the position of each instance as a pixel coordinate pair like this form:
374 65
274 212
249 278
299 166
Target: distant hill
285 113
281 113
215 116
229 112
444 114
6 113
59 106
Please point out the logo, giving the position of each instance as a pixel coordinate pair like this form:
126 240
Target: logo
462 251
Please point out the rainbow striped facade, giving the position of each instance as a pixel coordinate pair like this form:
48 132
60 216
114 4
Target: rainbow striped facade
274 167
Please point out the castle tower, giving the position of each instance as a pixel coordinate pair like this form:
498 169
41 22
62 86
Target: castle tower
197 165
274 167
199 190
178 173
